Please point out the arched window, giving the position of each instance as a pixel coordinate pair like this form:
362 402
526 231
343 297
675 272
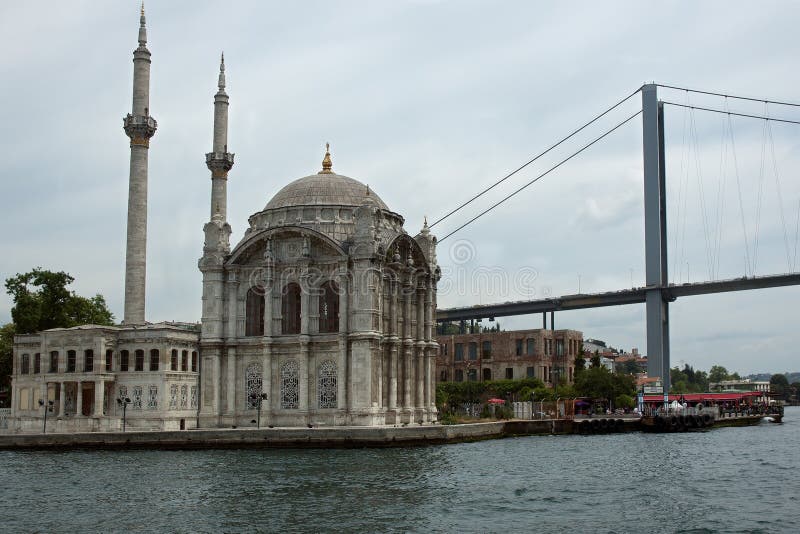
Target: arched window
123 360
173 360
138 360
290 309
25 366
327 384
254 312
154 357
253 385
290 382
329 307
88 361
71 357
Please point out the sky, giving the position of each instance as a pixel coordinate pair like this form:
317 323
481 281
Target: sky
428 102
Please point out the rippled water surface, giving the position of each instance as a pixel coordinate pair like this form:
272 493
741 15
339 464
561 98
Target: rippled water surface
725 480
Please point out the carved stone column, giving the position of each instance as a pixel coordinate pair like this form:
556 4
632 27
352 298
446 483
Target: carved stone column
99 393
79 400
231 389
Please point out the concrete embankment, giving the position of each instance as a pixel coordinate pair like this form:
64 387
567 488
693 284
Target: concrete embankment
328 437
324 437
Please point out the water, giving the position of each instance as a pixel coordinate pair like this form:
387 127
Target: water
725 480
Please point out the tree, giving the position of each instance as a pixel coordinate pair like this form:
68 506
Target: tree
596 361
579 363
600 383
778 383
717 374
6 354
42 301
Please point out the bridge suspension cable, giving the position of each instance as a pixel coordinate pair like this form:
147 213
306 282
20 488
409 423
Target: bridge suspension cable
545 173
711 93
515 171
733 113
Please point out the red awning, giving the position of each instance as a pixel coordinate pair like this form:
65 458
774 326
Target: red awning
706 397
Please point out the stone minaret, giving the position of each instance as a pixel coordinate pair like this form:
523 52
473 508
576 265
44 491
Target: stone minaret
220 161
217 230
140 127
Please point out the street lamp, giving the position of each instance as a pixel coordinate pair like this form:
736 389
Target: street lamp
124 402
47 407
257 399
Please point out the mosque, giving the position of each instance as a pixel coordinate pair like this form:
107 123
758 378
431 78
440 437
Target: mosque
322 314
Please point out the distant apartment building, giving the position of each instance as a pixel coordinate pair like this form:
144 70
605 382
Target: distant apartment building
541 353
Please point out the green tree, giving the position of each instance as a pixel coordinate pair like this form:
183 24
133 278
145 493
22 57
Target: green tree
42 301
6 354
778 383
717 374
579 363
596 361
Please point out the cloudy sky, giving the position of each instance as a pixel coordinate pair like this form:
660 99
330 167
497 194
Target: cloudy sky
427 102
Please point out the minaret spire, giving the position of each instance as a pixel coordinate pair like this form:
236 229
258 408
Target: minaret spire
140 127
142 29
221 82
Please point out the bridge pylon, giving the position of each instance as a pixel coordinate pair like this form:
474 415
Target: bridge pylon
655 236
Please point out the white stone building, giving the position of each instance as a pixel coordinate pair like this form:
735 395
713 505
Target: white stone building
79 373
322 314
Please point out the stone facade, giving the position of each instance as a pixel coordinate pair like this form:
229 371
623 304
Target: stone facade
540 353
325 306
85 369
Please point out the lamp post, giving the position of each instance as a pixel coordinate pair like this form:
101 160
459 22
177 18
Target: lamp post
124 402
47 406
257 399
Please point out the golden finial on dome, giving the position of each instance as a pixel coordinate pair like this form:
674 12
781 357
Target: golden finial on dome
327 164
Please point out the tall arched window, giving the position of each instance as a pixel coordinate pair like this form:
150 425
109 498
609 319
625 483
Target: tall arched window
290 385
26 364
254 312
290 309
253 385
329 307
327 384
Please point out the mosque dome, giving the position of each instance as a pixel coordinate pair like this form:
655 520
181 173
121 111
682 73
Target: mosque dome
326 188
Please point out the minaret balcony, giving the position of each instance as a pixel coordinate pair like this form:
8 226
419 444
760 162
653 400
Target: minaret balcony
139 126
219 161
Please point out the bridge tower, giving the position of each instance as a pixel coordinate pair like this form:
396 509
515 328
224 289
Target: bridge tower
655 237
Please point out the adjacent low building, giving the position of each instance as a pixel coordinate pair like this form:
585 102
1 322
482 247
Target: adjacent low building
78 374
540 353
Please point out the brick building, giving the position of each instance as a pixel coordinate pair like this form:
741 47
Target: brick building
540 353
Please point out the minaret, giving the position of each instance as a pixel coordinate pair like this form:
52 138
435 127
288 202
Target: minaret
220 161
217 230
140 127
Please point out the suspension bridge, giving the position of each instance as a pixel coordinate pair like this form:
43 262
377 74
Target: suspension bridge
658 292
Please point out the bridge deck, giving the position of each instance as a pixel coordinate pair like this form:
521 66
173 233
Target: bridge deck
634 295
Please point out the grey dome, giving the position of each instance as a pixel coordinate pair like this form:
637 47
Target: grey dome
324 189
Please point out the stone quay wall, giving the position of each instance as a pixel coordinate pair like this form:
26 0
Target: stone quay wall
323 437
